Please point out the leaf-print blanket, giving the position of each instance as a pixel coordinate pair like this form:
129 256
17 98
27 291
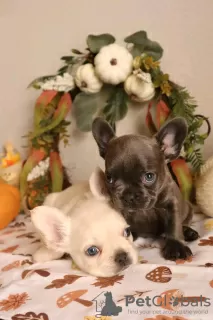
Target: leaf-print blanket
154 289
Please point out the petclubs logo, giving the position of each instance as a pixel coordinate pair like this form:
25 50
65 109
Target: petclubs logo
106 306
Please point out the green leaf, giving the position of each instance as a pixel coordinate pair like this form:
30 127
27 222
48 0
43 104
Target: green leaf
62 70
67 59
137 38
142 44
116 107
96 42
76 51
86 106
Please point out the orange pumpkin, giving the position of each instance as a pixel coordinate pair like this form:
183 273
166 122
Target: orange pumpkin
10 203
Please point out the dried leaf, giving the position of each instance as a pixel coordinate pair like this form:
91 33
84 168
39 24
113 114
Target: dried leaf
107 282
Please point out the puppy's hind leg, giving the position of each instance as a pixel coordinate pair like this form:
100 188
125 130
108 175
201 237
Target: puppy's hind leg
43 255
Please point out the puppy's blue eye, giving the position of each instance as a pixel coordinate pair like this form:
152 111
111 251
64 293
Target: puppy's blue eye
92 251
127 232
149 178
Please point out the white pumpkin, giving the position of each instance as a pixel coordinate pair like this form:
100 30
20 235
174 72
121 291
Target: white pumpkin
204 188
87 80
139 87
113 64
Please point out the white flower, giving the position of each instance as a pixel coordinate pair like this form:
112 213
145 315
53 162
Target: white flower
87 80
145 76
40 170
139 87
113 64
62 83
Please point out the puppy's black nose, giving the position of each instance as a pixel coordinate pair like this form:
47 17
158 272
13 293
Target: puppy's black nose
130 197
122 258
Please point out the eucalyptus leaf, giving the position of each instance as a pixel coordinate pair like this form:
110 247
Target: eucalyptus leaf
142 44
116 107
96 42
87 106
137 38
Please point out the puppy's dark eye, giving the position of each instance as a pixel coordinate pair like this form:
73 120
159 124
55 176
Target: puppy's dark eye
127 232
109 178
149 178
92 251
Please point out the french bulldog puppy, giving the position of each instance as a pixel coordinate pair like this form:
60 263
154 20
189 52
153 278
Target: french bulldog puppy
140 185
80 222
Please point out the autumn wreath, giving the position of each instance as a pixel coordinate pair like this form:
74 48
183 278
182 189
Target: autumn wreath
107 77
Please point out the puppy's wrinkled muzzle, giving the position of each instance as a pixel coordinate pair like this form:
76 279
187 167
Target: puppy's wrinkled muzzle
122 259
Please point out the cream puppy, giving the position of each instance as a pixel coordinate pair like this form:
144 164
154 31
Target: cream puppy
80 221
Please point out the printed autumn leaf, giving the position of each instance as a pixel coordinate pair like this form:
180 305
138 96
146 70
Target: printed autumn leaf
206 242
107 282
40 272
36 241
10 249
13 265
30 316
73 296
25 254
26 262
208 265
181 261
8 232
14 301
29 235
99 318
59 283
17 224
211 283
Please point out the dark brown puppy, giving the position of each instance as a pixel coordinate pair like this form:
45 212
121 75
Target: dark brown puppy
141 188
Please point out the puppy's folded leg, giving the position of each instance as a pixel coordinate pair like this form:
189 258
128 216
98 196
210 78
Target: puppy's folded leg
44 254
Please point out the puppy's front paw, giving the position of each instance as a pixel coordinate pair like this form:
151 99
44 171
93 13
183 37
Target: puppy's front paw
43 255
174 250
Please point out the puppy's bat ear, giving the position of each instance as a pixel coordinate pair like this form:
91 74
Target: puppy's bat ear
97 184
102 133
171 137
53 226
